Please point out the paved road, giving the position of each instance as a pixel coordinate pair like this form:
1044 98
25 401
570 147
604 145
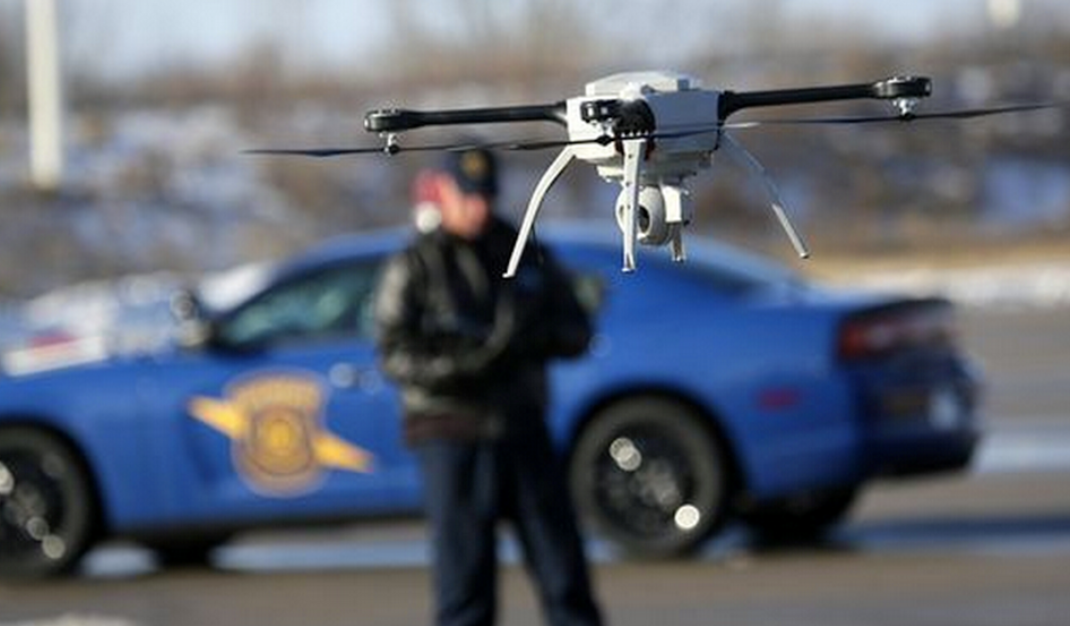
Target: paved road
992 547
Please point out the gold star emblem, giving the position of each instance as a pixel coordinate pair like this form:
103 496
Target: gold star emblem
279 445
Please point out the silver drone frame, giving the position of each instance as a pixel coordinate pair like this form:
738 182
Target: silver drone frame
649 132
652 163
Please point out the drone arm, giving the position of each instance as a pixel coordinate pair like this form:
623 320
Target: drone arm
889 89
397 120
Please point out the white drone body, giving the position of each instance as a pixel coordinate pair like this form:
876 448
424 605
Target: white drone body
664 130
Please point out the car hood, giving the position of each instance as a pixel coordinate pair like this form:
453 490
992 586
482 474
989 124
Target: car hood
34 359
833 300
72 358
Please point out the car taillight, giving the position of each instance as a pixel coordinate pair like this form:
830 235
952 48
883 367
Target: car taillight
905 325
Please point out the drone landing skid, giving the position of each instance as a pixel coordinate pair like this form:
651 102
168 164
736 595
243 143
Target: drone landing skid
742 156
549 177
634 150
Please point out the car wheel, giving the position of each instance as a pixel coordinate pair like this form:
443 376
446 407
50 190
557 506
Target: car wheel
46 506
192 551
802 518
648 476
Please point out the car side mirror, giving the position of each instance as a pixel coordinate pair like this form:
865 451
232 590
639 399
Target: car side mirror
193 328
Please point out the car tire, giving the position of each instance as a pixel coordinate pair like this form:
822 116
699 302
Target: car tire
649 476
47 510
801 519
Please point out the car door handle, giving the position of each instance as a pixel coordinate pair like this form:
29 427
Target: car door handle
350 376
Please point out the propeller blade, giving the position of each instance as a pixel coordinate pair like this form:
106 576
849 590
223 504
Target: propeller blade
602 140
313 152
998 110
512 144
389 149
542 144
548 144
871 119
703 129
535 144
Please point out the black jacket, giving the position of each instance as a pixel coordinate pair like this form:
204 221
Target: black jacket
463 342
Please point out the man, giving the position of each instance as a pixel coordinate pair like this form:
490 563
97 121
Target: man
469 350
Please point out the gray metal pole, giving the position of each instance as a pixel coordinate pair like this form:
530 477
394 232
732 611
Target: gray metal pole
45 94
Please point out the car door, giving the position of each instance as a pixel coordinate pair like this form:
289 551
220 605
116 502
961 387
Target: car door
285 414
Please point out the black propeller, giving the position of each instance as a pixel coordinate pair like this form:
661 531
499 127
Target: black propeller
903 117
844 120
391 148
315 152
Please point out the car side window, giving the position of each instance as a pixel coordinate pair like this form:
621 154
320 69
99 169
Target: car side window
329 304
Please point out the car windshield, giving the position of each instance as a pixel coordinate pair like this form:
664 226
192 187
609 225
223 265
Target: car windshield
317 305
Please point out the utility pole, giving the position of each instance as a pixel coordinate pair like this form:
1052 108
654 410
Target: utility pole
1004 14
45 94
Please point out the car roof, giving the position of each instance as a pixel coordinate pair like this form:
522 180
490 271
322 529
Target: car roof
703 253
346 247
701 250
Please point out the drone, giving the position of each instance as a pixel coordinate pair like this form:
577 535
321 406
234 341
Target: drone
649 133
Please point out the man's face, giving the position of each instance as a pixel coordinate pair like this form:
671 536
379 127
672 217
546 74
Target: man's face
465 215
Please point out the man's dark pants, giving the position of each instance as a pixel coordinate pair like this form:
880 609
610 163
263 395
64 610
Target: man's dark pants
470 485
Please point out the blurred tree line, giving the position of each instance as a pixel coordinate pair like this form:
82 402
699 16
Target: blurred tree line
156 179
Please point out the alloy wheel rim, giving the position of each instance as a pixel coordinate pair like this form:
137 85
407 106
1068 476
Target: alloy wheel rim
31 508
645 485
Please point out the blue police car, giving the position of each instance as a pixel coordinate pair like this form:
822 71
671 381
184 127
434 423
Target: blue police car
722 388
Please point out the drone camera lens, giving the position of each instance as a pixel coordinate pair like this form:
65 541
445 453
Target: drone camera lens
643 218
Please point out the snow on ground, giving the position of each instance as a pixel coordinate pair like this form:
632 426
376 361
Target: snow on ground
1015 285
